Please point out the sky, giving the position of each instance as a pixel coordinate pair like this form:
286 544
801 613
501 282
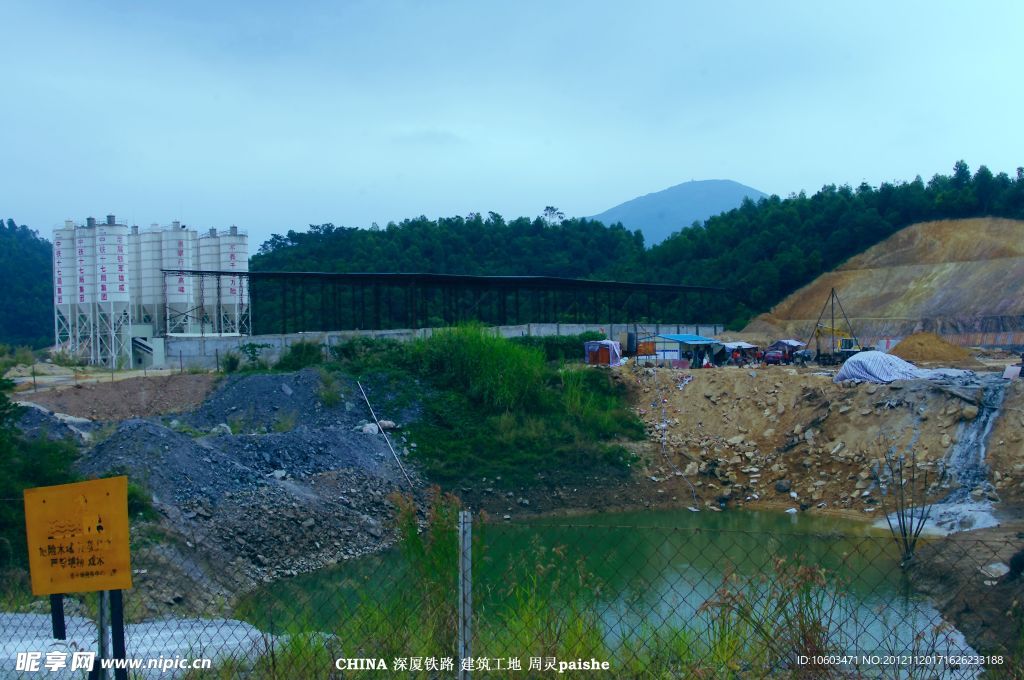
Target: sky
274 116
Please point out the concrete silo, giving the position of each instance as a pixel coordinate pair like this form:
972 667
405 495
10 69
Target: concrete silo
178 251
234 289
120 291
65 289
112 300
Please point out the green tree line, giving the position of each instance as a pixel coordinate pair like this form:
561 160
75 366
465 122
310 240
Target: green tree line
763 251
26 279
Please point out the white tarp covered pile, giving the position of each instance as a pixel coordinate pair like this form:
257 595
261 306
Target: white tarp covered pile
879 367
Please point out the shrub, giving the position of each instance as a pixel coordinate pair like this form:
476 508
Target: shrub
488 369
66 359
25 464
253 352
232 362
559 347
300 355
330 391
140 503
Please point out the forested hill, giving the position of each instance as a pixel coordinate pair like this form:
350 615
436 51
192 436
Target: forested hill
547 246
763 250
26 278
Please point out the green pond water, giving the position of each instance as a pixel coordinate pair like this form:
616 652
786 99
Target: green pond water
644 569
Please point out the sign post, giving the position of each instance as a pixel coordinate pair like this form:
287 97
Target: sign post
57 617
78 542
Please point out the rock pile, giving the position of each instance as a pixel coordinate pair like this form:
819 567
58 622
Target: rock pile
257 499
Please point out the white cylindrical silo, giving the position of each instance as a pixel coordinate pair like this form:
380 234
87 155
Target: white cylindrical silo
178 248
209 260
64 288
150 283
177 255
85 265
113 264
234 257
64 280
209 251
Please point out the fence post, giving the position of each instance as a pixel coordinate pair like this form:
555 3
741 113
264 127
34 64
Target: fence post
98 672
465 592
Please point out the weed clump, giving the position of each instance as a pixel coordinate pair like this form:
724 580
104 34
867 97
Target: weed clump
300 355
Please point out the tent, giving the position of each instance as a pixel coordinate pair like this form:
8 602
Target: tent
602 352
786 345
730 346
698 345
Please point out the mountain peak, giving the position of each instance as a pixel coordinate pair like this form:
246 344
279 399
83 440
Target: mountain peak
662 213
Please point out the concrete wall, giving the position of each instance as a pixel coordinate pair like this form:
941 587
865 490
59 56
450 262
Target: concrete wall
203 352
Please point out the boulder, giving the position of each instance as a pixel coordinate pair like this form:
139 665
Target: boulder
783 486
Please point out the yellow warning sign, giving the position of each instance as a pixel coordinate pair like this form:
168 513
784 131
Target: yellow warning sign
78 536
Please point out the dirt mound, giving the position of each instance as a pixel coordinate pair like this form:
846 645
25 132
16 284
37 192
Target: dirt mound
130 398
946 276
929 347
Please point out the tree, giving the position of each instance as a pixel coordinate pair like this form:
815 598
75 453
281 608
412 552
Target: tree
553 215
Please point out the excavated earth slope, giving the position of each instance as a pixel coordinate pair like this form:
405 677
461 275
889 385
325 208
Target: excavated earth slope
949 277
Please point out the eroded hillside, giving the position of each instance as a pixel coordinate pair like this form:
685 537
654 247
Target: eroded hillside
948 276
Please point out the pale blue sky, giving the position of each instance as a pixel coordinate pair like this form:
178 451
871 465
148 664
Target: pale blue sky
276 115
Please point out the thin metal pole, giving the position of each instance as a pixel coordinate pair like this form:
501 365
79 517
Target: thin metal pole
98 671
117 631
386 438
465 592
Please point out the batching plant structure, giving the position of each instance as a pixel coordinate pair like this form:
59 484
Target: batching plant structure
118 292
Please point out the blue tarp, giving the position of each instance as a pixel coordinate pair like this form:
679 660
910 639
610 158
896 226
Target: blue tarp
687 339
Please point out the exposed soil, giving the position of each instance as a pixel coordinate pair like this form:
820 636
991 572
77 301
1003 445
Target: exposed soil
1006 447
130 398
946 276
930 348
776 437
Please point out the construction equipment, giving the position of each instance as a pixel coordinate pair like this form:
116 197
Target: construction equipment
842 344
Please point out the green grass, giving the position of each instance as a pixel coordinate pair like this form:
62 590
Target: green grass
329 391
491 407
232 362
558 348
300 355
285 422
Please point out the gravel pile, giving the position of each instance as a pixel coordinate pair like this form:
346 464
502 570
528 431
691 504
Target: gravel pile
261 503
37 422
255 402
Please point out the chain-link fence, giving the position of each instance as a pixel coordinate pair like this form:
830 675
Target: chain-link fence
557 598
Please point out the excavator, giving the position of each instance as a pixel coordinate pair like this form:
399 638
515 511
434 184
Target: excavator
839 345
